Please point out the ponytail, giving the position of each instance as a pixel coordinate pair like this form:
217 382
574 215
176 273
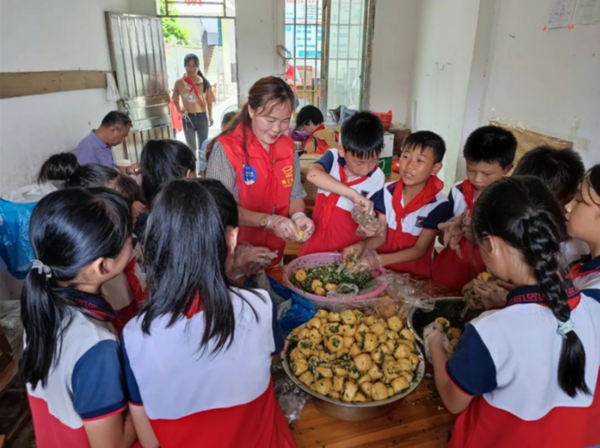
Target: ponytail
43 313
521 211
542 251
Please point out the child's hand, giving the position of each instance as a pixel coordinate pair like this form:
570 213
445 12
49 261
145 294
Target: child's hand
453 232
353 252
435 338
369 262
491 294
365 204
306 227
466 228
283 227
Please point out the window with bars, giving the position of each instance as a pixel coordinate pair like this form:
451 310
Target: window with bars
328 43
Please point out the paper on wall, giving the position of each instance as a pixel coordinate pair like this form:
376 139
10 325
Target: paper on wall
588 12
561 13
112 93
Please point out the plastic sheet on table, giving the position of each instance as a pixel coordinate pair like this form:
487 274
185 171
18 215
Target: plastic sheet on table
345 296
368 224
290 397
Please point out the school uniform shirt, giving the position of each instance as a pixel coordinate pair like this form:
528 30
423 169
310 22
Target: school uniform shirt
450 268
334 227
405 222
508 361
194 397
86 382
586 276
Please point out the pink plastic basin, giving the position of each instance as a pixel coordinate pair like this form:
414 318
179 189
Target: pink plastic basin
316 260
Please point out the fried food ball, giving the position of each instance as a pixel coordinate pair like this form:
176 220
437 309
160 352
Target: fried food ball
335 343
334 394
414 360
408 376
296 354
355 350
300 366
348 341
307 378
324 386
359 398
370 342
454 333
340 371
366 388
402 351
391 370
369 320
409 344
314 323
379 391
378 329
320 291
314 336
300 275
349 330
349 317
322 314
399 384
350 390
363 362
394 323
338 383
375 372
325 371
444 322
408 335
306 347
330 287
334 317
316 284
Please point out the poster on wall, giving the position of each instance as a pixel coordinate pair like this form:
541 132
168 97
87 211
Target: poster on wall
561 13
588 12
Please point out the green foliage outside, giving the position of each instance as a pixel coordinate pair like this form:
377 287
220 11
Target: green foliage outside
173 32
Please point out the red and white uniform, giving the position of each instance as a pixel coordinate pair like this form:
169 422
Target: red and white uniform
264 182
450 268
194 397
334 227
405 222
86 383
586 277
508 361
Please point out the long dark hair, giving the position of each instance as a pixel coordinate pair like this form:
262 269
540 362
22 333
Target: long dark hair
521 211
69 229
266 92
94 175
162 161
593 178
193 57
58 167
186 254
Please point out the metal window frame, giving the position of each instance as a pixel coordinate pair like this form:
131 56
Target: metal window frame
365 42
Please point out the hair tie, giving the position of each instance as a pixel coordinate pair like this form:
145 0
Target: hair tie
41 268
565 327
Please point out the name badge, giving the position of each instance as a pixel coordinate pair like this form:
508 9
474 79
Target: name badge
249 174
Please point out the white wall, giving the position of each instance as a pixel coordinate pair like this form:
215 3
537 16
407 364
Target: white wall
394 41
443 60
45 35
259 26
546 80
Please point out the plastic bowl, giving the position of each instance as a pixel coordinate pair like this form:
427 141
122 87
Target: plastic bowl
316 260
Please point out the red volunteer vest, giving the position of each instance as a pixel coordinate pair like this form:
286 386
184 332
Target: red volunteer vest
448 267
397 240
264 181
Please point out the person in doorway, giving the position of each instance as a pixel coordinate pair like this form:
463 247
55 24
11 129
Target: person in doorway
258 165
97 147
198 98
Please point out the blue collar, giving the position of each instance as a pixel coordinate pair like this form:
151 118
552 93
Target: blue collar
533 294
592 265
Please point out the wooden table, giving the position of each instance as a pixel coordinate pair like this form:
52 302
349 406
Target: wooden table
419 420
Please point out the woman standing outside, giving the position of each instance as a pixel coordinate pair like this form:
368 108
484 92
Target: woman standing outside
198 99
257 163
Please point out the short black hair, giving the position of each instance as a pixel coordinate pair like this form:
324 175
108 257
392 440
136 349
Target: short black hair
309 113
58 167
491 144
562 170
426 139
116 118
362 135
228 118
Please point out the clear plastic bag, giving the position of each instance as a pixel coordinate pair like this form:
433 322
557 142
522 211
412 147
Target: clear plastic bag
291 398
15 248
368 224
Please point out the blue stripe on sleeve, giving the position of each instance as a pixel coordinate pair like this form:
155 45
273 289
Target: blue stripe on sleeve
440 214
277 333
97 381
593 293
378 201
472 368
326 161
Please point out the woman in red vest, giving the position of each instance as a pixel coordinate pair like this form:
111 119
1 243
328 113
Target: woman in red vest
258 165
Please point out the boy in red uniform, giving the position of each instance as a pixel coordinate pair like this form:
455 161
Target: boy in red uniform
320 139
490 153
346 178
412 209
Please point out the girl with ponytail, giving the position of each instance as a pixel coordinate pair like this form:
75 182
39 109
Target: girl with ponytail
71 362
522 376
